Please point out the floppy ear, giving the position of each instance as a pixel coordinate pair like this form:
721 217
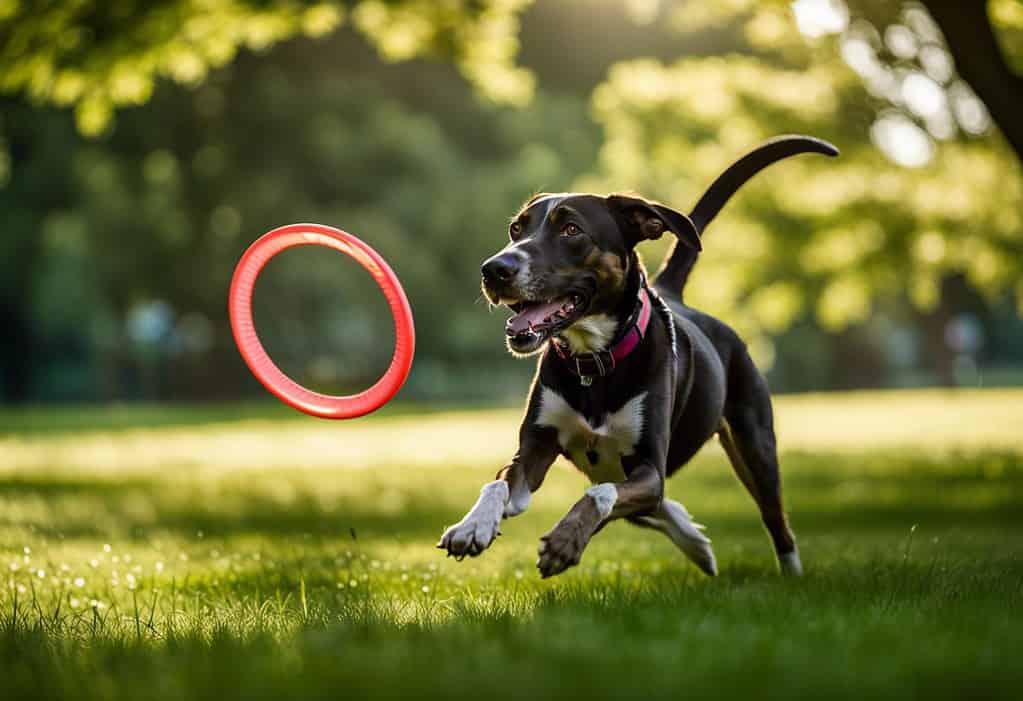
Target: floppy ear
642 220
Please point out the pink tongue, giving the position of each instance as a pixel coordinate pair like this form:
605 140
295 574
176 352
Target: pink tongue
533 315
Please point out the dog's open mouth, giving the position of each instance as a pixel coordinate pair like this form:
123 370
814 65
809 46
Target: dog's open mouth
543 318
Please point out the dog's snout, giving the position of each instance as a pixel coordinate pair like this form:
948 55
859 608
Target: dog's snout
501 268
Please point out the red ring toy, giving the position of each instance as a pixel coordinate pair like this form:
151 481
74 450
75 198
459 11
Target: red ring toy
287 390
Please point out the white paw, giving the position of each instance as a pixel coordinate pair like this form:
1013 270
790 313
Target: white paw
689 538
701 555
790 564
474 533
470 536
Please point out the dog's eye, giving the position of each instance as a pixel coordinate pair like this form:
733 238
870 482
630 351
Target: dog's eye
514 229
571 230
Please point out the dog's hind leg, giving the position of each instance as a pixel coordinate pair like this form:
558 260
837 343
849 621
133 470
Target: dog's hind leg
747 435
672 519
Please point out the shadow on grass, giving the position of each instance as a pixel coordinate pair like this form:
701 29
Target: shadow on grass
983 490
138 507
49 420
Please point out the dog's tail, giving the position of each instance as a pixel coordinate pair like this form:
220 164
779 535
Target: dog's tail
673 274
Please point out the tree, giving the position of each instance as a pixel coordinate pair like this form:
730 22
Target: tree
117 222
827 238
924 203
122 246
98 56
985 60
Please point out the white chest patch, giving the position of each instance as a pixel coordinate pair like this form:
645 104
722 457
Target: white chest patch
590 334
596 450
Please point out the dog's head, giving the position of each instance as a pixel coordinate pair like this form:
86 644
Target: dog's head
570 260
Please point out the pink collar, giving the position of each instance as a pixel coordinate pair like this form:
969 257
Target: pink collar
602 363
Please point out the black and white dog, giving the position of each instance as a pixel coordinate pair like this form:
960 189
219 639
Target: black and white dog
631 382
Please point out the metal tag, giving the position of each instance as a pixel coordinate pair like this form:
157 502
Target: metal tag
586 380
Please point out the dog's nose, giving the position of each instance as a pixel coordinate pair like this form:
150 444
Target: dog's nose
501 268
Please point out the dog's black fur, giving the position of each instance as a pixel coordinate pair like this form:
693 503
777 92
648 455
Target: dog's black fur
695 370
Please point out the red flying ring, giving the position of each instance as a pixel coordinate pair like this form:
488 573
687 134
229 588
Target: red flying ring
287 390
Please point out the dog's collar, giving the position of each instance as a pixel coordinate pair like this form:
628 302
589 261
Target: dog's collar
588 365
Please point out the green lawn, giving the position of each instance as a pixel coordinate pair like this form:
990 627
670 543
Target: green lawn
214 552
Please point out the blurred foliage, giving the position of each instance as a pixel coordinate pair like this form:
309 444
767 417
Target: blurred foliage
99 55
119 242
888 217
141 229
1007 17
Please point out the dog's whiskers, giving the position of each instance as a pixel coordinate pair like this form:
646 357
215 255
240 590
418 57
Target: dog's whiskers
483 298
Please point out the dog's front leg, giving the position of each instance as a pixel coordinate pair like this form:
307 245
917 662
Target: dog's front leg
506 496
563 547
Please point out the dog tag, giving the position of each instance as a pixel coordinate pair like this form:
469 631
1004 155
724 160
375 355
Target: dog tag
586 380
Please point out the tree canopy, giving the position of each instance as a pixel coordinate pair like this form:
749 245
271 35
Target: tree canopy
143 145
97 56
932 191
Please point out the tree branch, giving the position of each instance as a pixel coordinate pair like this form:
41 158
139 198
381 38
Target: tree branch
979 60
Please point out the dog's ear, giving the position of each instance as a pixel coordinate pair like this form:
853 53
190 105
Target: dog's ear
642 220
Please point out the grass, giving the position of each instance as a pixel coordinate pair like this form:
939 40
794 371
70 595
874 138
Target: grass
168 553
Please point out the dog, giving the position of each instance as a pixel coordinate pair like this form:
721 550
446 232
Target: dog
631 382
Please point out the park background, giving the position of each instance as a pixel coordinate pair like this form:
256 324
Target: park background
168 530
143 148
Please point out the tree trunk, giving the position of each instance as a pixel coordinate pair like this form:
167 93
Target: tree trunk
979 60
16 359
939 355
